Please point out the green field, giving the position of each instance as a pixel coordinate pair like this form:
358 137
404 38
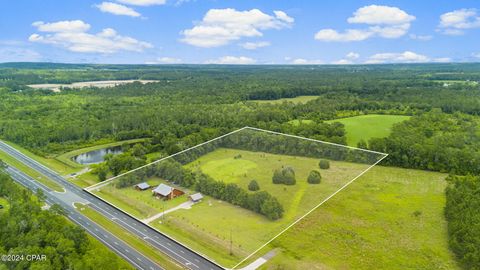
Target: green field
141 204
296 100
368 126
390 218
297 122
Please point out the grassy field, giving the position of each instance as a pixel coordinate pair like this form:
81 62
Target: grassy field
390 218
297 122
5 205
368 126
30 172
130 239
67 157
296 100
141 204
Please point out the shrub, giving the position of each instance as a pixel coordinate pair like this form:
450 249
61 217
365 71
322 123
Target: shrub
324 164
253 186
285 176
314 177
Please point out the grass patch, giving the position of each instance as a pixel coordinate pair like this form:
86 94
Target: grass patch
368 126
132 240
295 100
298 122
30 172
67 157
390 218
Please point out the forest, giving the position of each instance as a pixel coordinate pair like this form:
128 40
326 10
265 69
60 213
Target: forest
192 104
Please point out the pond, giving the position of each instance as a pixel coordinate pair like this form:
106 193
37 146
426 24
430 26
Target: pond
96 156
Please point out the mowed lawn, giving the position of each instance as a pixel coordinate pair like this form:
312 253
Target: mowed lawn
368 126
296 100
390 218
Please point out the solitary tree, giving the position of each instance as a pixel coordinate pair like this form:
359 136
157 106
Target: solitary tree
314 177
324 164
253 186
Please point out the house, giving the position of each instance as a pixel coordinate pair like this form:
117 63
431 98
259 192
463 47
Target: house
142 186
196 197
166 192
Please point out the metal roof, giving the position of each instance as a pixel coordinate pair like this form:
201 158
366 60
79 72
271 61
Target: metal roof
196 196
163 190
143 185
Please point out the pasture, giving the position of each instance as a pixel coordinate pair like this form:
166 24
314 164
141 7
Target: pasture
368 126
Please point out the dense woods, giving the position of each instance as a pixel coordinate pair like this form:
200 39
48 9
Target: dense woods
463 215
27 229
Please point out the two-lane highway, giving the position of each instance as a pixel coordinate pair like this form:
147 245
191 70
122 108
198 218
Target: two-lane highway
181 254
118 246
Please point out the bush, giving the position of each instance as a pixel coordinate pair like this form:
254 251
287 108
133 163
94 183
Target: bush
314 177
324 164
285 176
253 186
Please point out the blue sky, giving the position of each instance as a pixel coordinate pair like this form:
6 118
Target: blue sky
239 32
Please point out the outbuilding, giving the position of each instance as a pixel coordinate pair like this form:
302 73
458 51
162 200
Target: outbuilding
196 197
142 186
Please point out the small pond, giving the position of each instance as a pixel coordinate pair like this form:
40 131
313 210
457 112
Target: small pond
96 156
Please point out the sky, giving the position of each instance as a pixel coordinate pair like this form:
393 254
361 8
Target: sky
239 31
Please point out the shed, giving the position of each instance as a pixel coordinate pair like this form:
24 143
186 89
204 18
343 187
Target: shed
196 197
142 186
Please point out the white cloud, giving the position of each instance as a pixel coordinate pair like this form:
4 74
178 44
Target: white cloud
457 21
442 60
255 45
348 35
232 60
143 2
352 55
405 57
302 61
383 21
75 26
223 26
476 55
166 60
117 9
15 54
342 62
73 36
421 37
377 15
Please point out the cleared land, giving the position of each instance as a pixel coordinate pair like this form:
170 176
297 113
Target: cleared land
296 100
369 126
99 84
390 218
211 225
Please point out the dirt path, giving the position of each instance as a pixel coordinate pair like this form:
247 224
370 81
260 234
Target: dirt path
185 205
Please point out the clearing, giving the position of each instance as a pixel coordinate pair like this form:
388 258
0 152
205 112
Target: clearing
368 126
390 218
78 85
5 204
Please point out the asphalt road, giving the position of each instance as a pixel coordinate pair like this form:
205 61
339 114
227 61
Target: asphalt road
182 255
131 255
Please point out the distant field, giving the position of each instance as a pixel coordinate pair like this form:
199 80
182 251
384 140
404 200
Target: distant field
78 85
296 100
368 126
390 218
297 122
